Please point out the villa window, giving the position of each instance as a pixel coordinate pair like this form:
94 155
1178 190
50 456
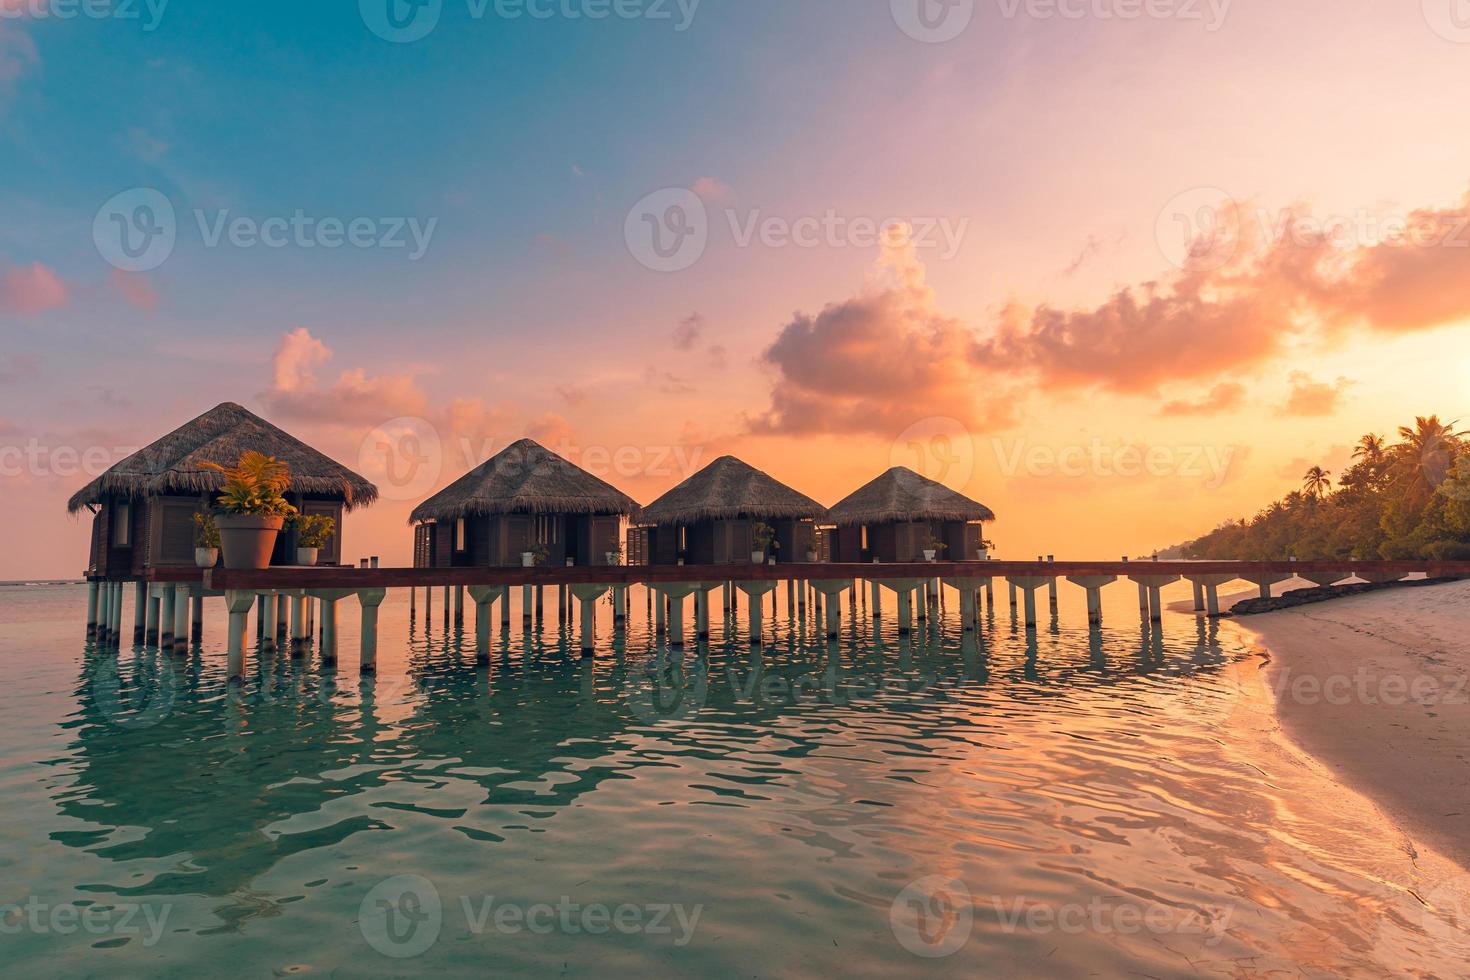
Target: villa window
459 535
122 524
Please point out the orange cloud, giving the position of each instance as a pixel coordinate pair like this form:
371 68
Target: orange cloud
1224 397
1313 399
25 290
876 363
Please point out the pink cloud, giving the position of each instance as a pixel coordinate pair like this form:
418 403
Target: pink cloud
26 290
136 289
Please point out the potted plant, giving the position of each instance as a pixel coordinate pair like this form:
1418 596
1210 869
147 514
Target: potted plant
985 545
761 537
814 547
935 547
615 557
313 533
206 541
536 556
528 558
252 509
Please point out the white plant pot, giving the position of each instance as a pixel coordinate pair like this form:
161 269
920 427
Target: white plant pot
771 560
983 556
528 559
929 554
612 559
811 557
206 557
306 556
757 557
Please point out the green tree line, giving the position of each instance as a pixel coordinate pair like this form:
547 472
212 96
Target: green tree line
1405 500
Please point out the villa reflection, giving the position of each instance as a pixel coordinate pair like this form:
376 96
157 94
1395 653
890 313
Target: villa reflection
299 759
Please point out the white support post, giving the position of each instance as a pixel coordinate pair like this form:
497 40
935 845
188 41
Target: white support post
166 621
370 599
117 602
150 628
484 597
588 595
459 607
967 606
298 625
329 630
701 614
181 620
140 612
92 591
905 612
527 607
239 604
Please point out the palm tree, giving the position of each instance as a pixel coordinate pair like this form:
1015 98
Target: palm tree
1316 482
1423 459
1370 448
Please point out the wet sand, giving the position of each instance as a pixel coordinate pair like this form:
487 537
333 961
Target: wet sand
1377 688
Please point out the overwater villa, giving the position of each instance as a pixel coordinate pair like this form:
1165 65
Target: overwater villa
144 506
901 515
715 518
524 501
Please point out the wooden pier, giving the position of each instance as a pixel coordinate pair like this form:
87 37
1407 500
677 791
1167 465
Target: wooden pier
291 601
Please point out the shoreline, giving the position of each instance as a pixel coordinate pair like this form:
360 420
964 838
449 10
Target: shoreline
1376 687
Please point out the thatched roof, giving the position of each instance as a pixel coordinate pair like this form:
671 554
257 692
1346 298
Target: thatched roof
172 465
903 495
729 488
524 478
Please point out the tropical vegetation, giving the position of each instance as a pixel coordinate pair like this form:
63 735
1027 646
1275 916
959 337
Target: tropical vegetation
1408 499
254 486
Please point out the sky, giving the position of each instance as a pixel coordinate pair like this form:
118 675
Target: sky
1120 270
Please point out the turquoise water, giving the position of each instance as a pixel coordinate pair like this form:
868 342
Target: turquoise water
1100 804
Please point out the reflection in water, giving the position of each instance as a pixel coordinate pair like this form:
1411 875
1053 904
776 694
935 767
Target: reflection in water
1030 802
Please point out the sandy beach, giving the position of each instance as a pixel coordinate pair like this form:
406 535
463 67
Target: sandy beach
1377 687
